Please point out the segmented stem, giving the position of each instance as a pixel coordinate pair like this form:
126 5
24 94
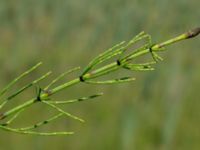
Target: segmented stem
91 71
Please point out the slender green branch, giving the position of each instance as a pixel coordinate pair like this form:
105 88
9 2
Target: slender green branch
41 123
76 100
64 112
35 133
90 72
120 80
18 78
14 117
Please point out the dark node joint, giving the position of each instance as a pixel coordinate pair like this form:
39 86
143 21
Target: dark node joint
80 99
4 124
150 49
38 96
81 79
38 100
45 122
118 63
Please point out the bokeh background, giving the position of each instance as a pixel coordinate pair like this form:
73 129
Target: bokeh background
159 111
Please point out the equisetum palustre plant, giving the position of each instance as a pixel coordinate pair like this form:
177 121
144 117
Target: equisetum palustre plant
89 73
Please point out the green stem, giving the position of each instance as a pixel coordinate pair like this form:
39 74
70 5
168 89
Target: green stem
187 35
18 108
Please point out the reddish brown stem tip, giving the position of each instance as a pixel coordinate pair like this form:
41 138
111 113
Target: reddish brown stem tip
193 33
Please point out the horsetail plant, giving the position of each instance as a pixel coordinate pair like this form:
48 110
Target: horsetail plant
89 73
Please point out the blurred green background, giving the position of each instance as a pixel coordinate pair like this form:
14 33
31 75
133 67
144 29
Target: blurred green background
159 111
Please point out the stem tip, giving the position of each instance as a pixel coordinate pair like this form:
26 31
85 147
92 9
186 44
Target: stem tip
193 33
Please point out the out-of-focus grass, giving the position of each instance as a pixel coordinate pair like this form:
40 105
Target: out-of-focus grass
160 110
